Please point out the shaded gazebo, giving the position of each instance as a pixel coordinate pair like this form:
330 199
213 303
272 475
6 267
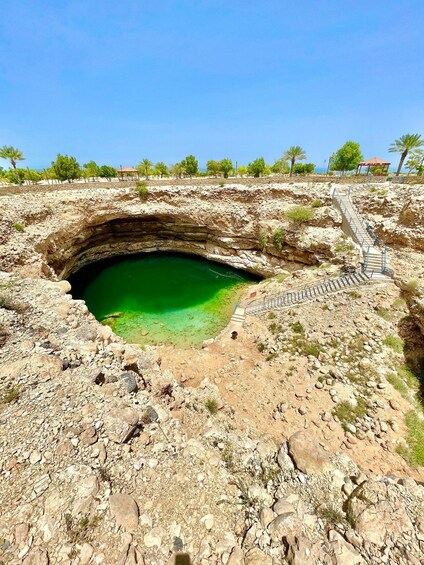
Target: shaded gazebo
127 172
372 164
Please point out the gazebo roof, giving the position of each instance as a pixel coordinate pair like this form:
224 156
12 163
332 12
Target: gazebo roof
375 161
127 170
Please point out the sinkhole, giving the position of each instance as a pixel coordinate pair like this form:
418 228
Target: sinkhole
161 298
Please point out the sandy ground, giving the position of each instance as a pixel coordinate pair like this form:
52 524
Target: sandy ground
253 386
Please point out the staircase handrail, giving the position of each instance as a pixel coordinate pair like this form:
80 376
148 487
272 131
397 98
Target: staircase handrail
352 222
377 242
298 289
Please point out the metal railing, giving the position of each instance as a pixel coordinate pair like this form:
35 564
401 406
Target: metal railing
353 223
306 292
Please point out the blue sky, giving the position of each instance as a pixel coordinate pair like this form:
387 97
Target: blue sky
117 81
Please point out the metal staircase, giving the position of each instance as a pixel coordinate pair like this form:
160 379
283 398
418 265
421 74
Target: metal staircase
305 294
374 266
374 252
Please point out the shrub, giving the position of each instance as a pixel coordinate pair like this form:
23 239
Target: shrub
300 214
212 406
142 190
297 327
303 168
399 304
354 294
411 379
415 424
394 342
317 204
19 227
278 239
412 286
347 412
385 314
81 530
398 384
262 240
271 356
9 393
269 473
330 514
311 348
230 458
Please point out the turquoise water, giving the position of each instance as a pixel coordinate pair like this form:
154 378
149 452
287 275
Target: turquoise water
161 297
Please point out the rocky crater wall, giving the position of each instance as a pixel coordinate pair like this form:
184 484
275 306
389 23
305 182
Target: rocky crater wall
64 231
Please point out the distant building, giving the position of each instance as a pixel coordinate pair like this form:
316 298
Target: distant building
372 164
127 172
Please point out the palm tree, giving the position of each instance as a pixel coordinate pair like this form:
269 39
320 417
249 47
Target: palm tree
144 167
404 145
13 155
295 152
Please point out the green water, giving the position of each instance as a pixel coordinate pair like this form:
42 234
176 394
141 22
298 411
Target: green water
161 297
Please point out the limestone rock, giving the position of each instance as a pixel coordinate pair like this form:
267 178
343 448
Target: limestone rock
307 454
284 460
257 557
86 553
131 556
36 556
236 556
377 513
302 551
287 524
120 424
64 286
266 516
125 511
344 553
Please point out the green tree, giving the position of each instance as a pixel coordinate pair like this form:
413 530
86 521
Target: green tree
49 174
90 170
280 167
213 168
13 155
242 170
31 175
404 145
190 165
415 161
107 172
144 167
347 157
293 154
256 167
66 168
177 170
303 169
161 169
226 166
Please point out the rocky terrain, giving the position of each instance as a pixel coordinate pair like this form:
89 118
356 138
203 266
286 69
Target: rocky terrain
293 444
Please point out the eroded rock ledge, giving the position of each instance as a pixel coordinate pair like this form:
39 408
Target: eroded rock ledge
66 230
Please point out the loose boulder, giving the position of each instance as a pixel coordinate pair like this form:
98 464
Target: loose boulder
378 513
125 511
308 455
120 424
